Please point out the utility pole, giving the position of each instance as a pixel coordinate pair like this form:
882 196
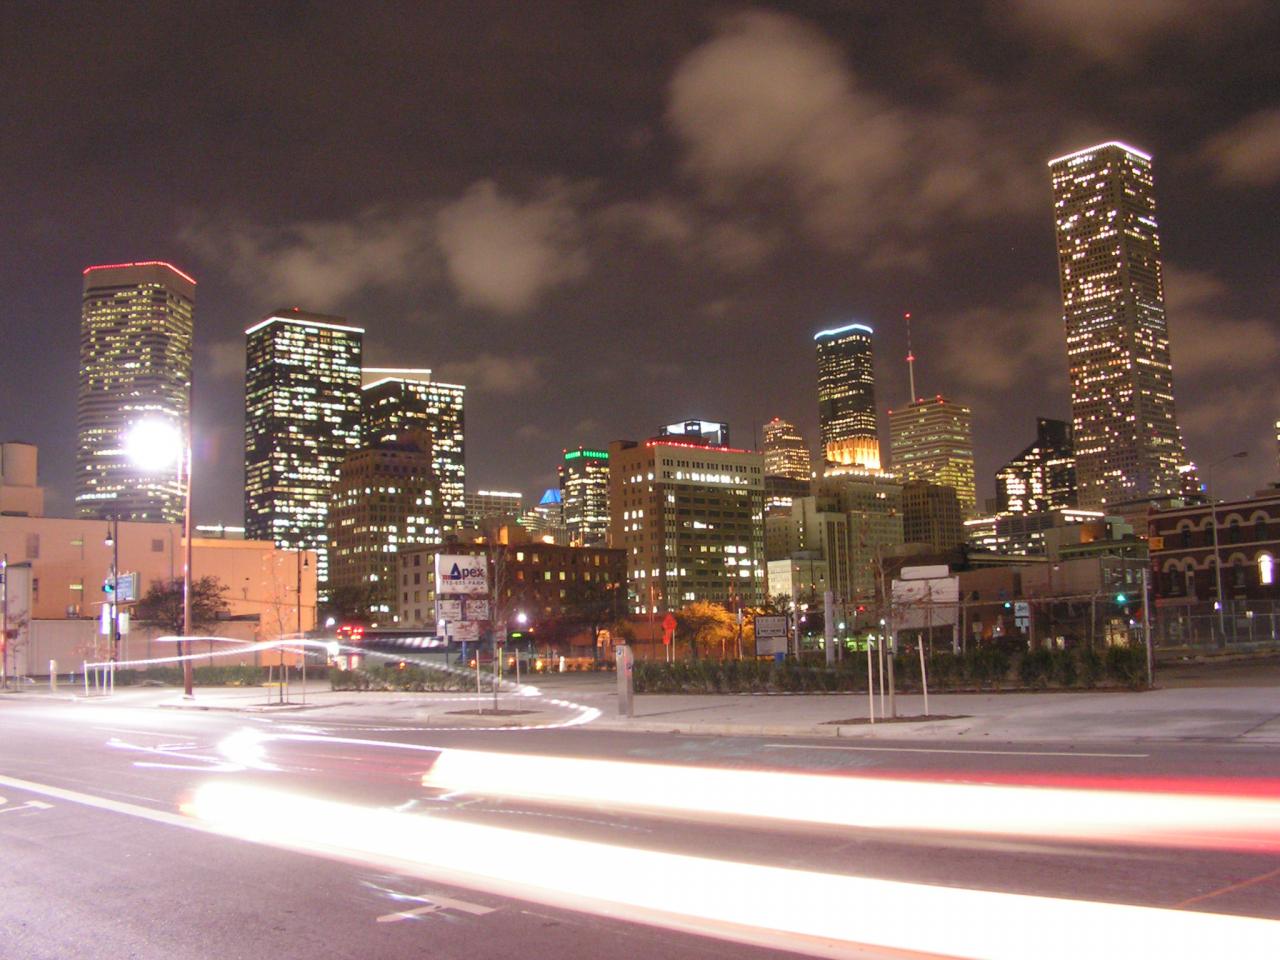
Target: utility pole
1146 627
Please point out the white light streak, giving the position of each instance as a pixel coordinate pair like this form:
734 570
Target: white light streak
823 914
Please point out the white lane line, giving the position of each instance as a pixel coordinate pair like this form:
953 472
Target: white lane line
433 904
104 803
985 753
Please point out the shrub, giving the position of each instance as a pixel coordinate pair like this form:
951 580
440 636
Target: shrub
1036 668
1127 664
1092 668
1065 672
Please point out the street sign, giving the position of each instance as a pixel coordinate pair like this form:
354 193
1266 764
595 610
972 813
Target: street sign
771 635
476 608
467 630
448 609
126 587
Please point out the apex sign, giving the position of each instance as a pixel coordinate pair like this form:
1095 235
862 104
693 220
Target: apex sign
461 575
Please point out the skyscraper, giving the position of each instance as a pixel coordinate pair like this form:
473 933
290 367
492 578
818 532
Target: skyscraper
785 452
847 396
384 501
302 419
396 400
932 439
1127 442
584 496
931 514
135 364
690 516
1043 476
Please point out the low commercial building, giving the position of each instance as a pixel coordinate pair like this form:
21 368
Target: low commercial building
59 568
689 514
543 581
1214 569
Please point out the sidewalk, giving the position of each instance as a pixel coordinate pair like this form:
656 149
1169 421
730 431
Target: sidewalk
1243 714
1247 714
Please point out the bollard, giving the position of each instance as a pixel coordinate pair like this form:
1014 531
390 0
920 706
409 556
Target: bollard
626 680
53 675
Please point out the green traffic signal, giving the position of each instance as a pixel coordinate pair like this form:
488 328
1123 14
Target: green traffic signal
1121 598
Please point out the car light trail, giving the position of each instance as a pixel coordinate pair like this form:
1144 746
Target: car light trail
832 915
1213 821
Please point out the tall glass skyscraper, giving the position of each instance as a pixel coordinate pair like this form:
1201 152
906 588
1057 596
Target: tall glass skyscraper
396 400
847 396
135 364
584 496
302 419
1127 442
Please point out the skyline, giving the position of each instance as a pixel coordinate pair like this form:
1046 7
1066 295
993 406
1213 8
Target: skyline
593 267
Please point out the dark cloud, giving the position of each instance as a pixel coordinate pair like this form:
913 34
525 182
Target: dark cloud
1249 152
604 217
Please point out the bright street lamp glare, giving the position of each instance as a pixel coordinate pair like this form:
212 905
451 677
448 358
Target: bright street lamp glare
154 445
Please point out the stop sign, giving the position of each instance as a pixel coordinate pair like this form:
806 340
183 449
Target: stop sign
668 627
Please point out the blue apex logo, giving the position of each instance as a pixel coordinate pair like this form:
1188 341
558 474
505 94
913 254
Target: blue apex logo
459 573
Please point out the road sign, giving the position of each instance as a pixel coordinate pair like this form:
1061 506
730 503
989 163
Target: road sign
771 635
126 587
668 628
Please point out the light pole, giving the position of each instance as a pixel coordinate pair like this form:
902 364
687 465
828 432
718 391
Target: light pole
154 445
113 541
1217 559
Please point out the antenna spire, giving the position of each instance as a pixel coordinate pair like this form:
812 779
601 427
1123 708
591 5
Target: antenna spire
911 359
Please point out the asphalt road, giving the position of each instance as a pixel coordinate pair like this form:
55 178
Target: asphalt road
107 849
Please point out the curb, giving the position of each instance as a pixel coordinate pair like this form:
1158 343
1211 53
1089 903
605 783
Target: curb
832 731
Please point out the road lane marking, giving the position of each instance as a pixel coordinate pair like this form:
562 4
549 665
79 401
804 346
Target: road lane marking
1229 888
985 753
104 803
29 805
433 904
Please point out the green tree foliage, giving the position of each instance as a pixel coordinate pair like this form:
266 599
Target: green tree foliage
162 605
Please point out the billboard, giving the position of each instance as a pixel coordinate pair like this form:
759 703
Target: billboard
461 575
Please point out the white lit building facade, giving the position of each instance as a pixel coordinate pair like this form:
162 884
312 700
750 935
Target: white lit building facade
1127 443
302 419
135 365
584 496
931 439
690 517
396 400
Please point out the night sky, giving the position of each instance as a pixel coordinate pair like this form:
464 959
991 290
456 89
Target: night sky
603 217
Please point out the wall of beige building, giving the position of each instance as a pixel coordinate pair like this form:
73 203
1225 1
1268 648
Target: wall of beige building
71 558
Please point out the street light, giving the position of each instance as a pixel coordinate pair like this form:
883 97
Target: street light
154 446
1217 560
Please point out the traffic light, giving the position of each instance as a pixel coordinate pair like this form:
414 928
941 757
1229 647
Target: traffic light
1008 605
1121 599
109 586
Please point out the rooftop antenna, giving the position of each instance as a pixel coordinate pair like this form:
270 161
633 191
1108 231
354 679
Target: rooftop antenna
911 360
